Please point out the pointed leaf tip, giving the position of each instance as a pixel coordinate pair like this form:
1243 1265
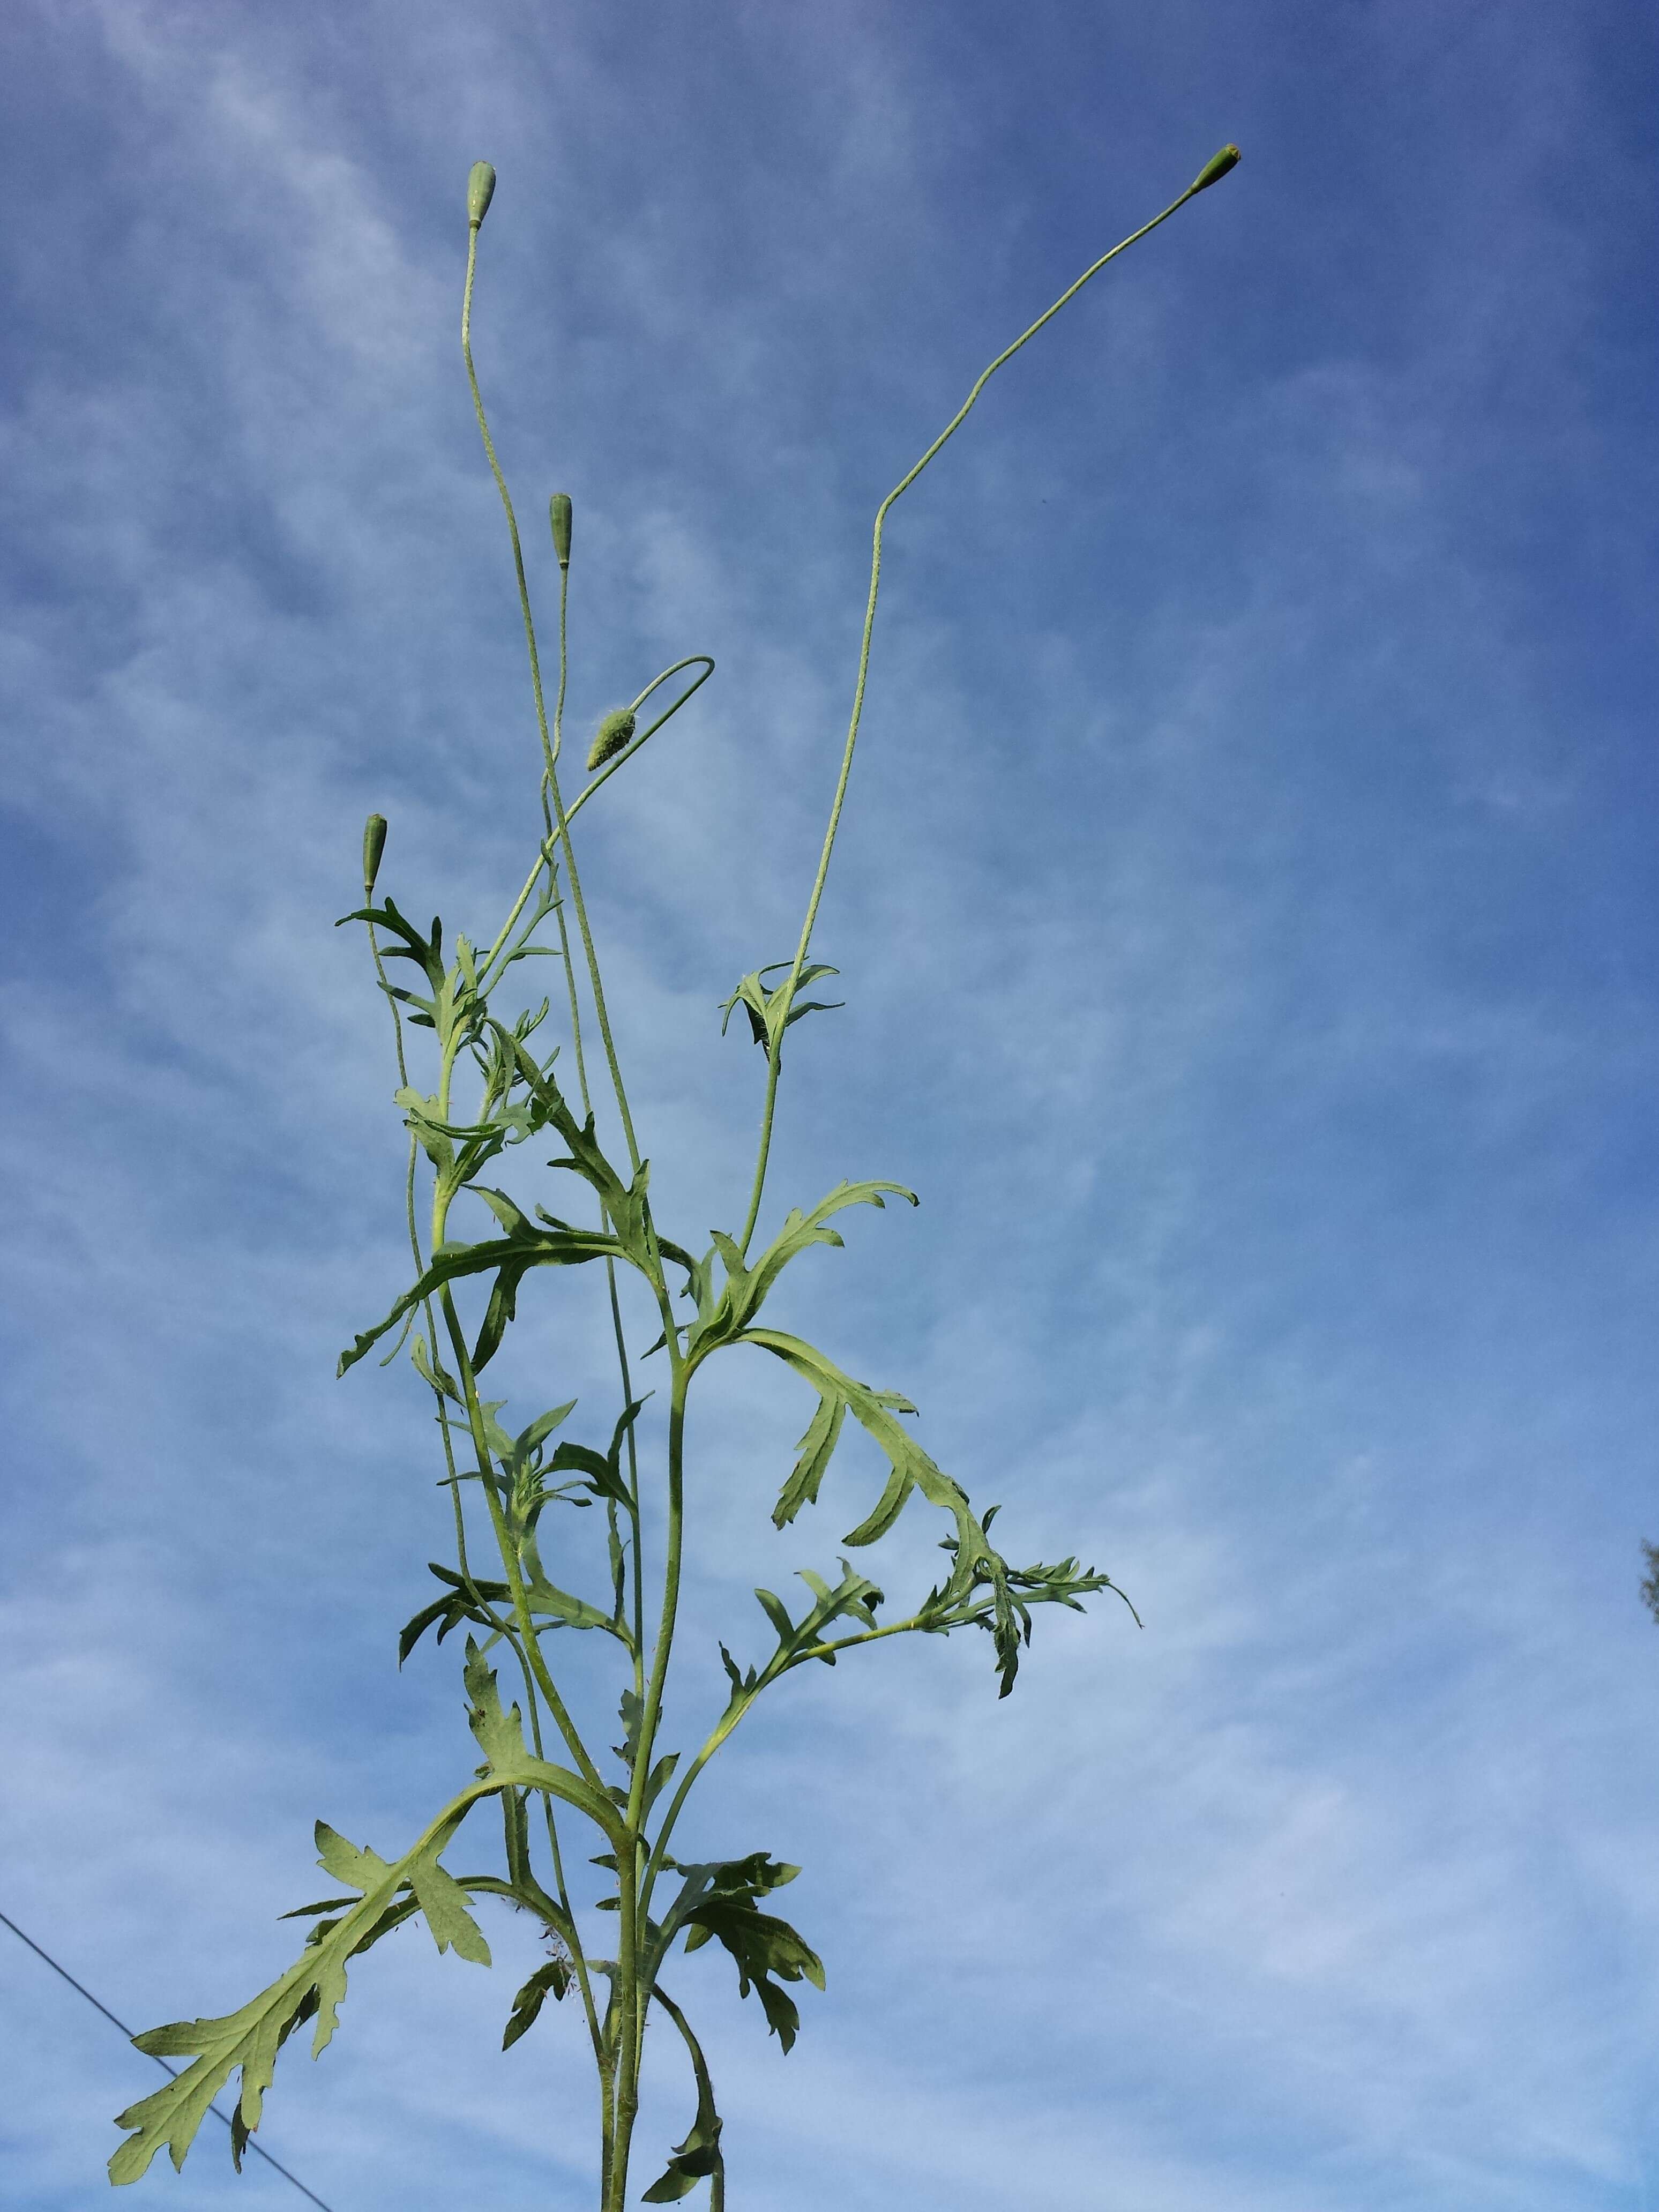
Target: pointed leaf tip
1215 168
480 190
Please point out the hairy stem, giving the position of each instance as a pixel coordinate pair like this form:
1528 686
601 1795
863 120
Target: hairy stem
635 1563
631 2027
776 1049
705 2090
549 760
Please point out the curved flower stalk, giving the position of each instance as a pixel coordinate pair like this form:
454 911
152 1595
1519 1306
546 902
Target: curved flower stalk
517 1486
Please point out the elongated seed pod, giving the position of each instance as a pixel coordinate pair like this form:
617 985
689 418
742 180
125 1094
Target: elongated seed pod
373 846
558 508
612 734
1215 168
480 190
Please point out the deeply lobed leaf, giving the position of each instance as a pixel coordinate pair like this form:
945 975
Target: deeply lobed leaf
250 2038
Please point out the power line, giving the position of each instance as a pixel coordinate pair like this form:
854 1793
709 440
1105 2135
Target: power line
173 2071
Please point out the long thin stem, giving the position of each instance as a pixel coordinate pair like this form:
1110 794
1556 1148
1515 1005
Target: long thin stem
632 2025
705 2091
487 965
557 1706
452 1474
776 1050
549 762
619 2040
578 1955
506 497
533 1704
635 1560
441 1202
636 1565
741 1705
619 2098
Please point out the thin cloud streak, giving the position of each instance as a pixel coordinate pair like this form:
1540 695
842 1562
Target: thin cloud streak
1247 930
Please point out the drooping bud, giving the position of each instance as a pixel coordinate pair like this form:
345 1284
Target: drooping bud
608 739
1215 168
373 846
558 508
480 190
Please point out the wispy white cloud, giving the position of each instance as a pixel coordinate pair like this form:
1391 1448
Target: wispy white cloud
1236 926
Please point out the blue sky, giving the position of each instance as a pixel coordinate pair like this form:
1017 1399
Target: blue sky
1247 915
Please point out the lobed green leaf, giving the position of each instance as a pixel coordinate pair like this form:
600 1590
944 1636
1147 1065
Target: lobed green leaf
312 1987
509 1258
554 1978
765 1007
723 1316
500 1738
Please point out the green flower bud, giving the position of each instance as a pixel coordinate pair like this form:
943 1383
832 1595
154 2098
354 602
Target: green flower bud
1215 168
373 846
612 734
480 190
558 508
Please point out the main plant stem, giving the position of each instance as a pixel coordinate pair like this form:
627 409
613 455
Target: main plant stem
619 2040
635 1997
618 2064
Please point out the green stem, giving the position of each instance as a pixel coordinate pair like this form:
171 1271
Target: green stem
594 2030
587 790
636 1564
621 759
441 1203
451 1473
508 1549
403 1084
775 1053
550 764
705 2090
631 2027
741 1704
637 1568
506 497
487 979
570 1931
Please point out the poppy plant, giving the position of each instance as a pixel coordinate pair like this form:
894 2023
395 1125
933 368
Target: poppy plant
478 1079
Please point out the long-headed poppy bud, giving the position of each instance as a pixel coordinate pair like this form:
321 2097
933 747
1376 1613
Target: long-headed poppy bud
558 508
612 734
480 190
373 846
1215 169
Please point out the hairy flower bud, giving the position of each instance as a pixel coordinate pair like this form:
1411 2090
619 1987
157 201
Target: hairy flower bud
373 846
480 190
558 508
1215 168
612 734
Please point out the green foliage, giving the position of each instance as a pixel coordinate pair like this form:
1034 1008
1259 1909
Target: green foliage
694 2160
720 1902
312 1989
771 1010
699 2156
503 1483
553 1977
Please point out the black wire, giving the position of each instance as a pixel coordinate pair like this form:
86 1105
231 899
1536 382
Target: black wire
161 2063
